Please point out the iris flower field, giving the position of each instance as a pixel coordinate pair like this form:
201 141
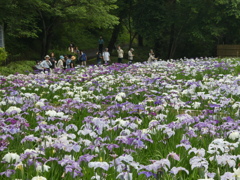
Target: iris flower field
166 120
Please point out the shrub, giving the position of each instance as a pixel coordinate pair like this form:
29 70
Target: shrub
21 67
3 55
57 53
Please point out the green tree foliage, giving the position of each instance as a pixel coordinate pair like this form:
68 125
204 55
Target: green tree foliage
39 18
174 28
180 28
18 18
3 55
22 67
123 12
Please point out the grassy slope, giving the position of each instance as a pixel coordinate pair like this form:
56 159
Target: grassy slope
17 67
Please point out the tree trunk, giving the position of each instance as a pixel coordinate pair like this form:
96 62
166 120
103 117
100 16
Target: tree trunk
47 36
157 49
131 39
173 33
44 42
171 42
47 33
140 41
113 40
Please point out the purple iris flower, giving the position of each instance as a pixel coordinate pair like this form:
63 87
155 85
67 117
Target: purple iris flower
111 146
3 144
214 105
86 157
148 174
8 172
30 138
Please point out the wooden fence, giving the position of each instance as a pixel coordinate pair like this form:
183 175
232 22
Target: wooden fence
228 50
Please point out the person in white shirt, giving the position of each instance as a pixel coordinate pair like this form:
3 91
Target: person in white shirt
106 56
120 54
46 64
130 55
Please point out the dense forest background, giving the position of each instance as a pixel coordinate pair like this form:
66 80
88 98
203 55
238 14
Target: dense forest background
173 28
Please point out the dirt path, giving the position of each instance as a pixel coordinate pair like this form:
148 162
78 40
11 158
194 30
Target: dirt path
91 53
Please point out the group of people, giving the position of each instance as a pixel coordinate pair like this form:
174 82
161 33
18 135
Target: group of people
81 56
64 62
69 61
105 55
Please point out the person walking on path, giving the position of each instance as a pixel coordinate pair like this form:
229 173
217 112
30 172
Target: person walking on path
106 56
99 58
130 56
100 44
46 64
120 54
83 58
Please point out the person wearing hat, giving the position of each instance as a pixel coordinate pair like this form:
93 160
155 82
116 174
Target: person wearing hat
130 56
60 62
69 61
46 64
73 58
